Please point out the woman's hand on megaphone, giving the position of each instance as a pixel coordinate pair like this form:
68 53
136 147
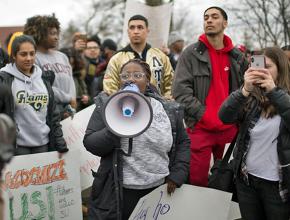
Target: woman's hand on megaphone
171 186
111 135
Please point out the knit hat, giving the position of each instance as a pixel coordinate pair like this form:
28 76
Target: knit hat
173 37
95 38
14 35
109 43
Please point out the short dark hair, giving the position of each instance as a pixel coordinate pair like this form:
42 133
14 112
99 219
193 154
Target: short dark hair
20 40
222 11
110 44
94 38
139 17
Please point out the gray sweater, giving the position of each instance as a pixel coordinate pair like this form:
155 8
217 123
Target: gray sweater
149 163
63 86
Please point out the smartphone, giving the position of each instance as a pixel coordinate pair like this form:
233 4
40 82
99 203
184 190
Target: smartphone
258 61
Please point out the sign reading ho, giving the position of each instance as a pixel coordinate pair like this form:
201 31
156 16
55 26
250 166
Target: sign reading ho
187 202
41 186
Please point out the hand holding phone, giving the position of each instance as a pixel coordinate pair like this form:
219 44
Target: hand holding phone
80 41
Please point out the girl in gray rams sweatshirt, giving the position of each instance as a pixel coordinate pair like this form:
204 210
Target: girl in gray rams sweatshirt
31 102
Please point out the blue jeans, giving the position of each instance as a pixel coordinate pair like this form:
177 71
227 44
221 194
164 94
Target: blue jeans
261 200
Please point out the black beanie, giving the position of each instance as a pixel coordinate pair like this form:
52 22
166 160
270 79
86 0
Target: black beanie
109 43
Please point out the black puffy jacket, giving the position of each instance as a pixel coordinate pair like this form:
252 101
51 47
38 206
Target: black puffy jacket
106 201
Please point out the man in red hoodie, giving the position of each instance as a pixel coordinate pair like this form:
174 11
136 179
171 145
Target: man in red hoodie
206 73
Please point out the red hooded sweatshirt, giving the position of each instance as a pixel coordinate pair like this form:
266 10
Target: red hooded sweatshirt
219 85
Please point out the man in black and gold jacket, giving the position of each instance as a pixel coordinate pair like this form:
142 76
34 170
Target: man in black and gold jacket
161 69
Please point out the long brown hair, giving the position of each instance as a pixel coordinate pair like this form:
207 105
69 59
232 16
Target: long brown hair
279 58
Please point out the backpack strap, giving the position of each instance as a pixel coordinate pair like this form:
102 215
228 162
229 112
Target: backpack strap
48 75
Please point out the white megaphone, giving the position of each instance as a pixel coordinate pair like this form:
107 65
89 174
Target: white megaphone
128 113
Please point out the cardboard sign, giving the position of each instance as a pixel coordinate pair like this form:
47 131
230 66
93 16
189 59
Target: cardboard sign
42 186
73 132
187 202
158 18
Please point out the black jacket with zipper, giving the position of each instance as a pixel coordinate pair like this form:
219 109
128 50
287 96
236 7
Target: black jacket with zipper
106 198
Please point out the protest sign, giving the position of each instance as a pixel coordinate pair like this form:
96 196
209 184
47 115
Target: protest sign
159 18
234 212
73 132
187 202
42 186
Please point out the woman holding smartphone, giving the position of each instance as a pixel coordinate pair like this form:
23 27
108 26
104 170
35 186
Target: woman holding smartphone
261 108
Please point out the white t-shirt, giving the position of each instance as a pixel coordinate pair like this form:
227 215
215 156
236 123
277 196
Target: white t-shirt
262 158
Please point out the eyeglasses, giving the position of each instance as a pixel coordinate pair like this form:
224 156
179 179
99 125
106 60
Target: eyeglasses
135 75
92 48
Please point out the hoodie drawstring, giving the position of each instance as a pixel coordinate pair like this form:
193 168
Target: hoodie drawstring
25 94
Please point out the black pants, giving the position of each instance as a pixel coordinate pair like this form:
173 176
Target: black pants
261 200
23 150
130 200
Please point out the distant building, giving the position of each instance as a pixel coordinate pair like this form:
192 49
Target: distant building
5 31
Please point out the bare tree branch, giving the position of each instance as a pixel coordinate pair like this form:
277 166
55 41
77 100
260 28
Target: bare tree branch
267 21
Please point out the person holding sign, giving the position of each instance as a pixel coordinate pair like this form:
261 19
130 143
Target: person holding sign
159 155
31 102
261 108
161 70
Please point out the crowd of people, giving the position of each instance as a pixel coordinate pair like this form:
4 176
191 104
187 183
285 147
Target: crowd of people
201 98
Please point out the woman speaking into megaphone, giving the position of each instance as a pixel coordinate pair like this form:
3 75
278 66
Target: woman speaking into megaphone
160 153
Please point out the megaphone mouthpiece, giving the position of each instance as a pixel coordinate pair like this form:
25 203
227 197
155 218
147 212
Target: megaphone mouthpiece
128 113
128 106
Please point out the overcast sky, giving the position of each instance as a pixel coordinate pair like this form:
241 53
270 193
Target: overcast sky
15 12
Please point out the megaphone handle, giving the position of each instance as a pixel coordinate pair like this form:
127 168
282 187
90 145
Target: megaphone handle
130 148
